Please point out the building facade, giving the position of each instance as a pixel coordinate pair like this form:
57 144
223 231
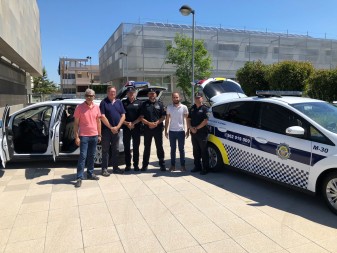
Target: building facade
138 51
20 50
76 75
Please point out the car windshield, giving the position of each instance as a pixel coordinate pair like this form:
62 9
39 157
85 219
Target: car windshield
323 113
215 88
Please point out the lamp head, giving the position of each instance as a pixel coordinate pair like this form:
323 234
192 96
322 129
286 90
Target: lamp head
186 10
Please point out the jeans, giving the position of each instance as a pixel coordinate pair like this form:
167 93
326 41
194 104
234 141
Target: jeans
87 153
110 145
179 136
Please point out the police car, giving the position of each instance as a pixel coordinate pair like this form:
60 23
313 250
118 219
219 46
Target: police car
288 139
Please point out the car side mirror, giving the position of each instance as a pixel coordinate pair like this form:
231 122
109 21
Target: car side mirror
295 131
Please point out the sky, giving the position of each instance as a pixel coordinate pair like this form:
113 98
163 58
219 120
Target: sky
79 28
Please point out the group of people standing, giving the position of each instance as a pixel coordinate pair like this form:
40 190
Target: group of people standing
101 124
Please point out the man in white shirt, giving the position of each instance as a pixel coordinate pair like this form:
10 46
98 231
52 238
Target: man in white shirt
175 122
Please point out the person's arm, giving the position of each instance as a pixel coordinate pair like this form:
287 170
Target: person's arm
186 122
202 124
105 121
98 121
167 122
77 138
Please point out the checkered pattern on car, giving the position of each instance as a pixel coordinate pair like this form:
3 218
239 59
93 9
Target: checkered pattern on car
266 167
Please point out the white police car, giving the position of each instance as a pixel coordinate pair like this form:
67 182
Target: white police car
292 140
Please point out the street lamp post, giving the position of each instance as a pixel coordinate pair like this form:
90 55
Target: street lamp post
186 10
91 81
126 63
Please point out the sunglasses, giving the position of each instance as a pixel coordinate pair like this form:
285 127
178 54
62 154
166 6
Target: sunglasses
89 96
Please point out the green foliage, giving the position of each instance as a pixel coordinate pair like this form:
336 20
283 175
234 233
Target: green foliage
289 75
323 85
252 77
181 56
42 85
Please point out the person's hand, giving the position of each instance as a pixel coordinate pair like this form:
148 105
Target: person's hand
152 125
166 135
99 139
193 130
77 141
114 130
187 133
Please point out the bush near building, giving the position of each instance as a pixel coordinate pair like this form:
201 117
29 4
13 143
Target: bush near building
289 75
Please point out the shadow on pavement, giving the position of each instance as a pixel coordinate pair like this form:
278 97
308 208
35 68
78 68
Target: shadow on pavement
265 193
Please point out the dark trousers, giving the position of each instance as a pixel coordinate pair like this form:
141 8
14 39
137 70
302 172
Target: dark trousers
157 134
110 143
133 134
179 136
200 152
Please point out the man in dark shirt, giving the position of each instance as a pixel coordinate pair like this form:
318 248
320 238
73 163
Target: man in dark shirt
131 128
152 115
113 116
197 123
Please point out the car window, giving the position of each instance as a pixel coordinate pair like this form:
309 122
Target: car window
277 119
237 112
214 88
323 113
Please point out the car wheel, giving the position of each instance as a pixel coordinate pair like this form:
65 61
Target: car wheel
98 155
215 158
329 191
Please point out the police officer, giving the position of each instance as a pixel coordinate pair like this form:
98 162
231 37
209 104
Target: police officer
131 128
152 115
197 123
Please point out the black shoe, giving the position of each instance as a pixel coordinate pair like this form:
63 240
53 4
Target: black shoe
136 168
195 170
127 168
78 183
93 177
105 173
144 169
204 172
117 171
162 168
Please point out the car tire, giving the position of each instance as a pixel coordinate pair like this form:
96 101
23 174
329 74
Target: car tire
329 191
215 158
98 155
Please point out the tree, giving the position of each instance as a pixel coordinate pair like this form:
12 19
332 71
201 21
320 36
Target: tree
181 56
289 75
252 77
42 85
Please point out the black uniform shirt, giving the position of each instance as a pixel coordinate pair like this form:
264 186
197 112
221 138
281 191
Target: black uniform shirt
132 110
198 115
152 111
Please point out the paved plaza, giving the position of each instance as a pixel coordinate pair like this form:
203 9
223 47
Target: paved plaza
41 211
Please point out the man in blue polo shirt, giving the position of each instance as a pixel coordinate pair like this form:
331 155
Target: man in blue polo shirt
113 116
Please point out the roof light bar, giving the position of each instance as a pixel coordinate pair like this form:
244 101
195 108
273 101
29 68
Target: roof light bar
279 93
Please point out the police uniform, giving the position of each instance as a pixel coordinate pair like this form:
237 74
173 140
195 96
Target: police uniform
199 139
153 111
132 112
